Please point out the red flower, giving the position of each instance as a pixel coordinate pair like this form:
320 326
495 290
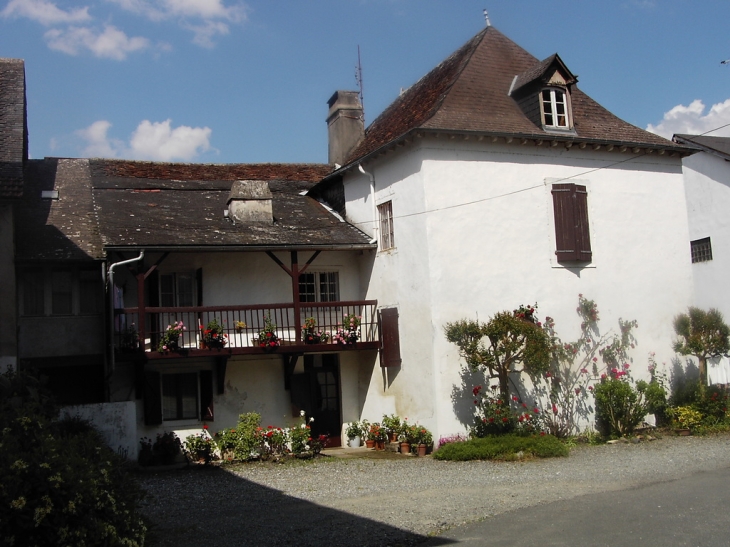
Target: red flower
491 420
505 419
205 426
268 335
272 344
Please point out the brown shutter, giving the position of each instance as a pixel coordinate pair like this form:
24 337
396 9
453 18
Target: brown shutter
206 395
390 350
152 398
572 238
199 283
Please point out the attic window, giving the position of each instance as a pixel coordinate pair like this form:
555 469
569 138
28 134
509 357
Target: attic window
554 105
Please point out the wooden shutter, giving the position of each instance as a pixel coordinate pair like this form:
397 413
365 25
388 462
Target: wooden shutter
206 395
390 349
152 398
199 285
572 237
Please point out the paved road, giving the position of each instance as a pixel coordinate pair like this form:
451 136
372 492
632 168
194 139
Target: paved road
693 511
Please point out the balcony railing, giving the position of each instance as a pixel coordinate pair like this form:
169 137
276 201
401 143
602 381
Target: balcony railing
242 325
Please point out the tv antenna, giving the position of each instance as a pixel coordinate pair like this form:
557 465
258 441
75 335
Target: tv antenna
358 80
486 18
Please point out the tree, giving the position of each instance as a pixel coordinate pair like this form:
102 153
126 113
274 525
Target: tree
514 338
702 334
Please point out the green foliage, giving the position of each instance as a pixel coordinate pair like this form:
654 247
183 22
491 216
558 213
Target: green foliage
620 407
514 338
685 416
244 442
214 335
200 446
495 416
392 424
61 484
503 447
703 334
164 451
354 429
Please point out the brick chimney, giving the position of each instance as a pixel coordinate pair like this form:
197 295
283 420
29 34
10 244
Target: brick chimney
345 125
250 201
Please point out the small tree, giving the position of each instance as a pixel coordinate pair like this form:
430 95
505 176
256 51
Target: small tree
702 334
515 338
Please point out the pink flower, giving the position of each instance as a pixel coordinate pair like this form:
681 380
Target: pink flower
577 391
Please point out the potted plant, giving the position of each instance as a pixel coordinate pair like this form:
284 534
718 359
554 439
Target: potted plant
353 432
267 338
213 335
424 439
377 434
200 446
240 325
311 335
170 339
349 332
392 425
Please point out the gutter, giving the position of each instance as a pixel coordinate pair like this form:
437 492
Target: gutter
372 200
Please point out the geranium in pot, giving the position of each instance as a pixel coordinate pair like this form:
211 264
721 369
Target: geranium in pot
267 338
354 432
213 335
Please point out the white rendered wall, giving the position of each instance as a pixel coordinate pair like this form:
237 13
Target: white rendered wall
486 244
707 187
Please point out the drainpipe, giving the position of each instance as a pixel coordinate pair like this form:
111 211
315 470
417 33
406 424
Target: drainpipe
110 288
372 199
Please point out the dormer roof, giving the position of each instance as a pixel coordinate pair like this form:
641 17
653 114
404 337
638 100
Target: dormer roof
550 71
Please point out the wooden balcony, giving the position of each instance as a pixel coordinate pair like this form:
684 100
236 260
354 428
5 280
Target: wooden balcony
136 336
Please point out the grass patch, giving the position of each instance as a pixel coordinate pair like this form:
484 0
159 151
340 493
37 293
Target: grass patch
503 447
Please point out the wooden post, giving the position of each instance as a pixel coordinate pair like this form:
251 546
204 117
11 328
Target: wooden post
141 311
295 297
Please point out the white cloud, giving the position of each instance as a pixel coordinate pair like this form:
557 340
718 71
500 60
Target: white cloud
691 119
205 18
156 141
112 43
45 13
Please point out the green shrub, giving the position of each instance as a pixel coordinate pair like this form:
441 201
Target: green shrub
620 407
502 447
243 442
61 484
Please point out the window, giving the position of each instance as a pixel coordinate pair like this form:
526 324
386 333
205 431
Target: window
572 237
177 289
52 291
554 108
385 212
177 396
701 250
319 287
180 396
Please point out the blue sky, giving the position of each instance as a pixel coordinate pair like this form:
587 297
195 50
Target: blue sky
222 81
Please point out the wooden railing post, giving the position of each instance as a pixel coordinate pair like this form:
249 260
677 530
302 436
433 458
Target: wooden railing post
141 311
295 297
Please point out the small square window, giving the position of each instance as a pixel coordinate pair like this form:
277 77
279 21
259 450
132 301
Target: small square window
180 396
385 211
554 108
701 250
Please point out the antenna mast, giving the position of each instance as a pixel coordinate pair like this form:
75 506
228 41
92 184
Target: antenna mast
358 79
486 18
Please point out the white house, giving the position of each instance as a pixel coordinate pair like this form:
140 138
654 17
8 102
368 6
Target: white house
707 190
493 182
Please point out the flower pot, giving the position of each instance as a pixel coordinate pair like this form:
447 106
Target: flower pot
393 437
683 431
202 345
405 448
379 445
369 443
312 339
422 449
354 442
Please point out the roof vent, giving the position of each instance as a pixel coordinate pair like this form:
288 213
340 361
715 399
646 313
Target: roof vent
250 201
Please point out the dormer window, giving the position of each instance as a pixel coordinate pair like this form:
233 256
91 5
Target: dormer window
554 108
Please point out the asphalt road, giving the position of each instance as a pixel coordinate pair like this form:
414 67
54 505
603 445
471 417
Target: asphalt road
692 511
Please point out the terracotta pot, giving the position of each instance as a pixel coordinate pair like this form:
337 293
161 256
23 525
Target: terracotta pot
369 443
683 432
405 448
379 445
422 449
393 437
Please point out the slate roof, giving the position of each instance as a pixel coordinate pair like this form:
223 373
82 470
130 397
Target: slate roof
62 229
13 127
718 145
177 206
115 204
468 92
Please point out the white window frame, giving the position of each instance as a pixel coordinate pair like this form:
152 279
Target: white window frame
386 234
176 294
553 103
334 277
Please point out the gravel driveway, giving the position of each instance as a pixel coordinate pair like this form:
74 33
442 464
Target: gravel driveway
400 501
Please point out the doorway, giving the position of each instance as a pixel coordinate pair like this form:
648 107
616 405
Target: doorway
317 392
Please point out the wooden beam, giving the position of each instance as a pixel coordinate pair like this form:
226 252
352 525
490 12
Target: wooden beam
273 257
290 363
304 268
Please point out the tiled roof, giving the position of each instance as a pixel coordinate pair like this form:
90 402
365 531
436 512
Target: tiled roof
166 205
13 127
719 145
468 92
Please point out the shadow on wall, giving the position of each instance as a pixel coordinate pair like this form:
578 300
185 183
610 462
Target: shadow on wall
683 379
462 398
246 513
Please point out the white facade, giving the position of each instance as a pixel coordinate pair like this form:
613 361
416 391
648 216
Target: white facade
474 235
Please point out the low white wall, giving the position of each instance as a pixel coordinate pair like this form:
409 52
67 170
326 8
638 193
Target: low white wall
117 423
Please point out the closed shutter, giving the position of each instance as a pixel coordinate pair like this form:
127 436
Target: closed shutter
206 395
390 351
572 237
152 398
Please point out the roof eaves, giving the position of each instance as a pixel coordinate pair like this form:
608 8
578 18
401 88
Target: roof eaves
688 141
